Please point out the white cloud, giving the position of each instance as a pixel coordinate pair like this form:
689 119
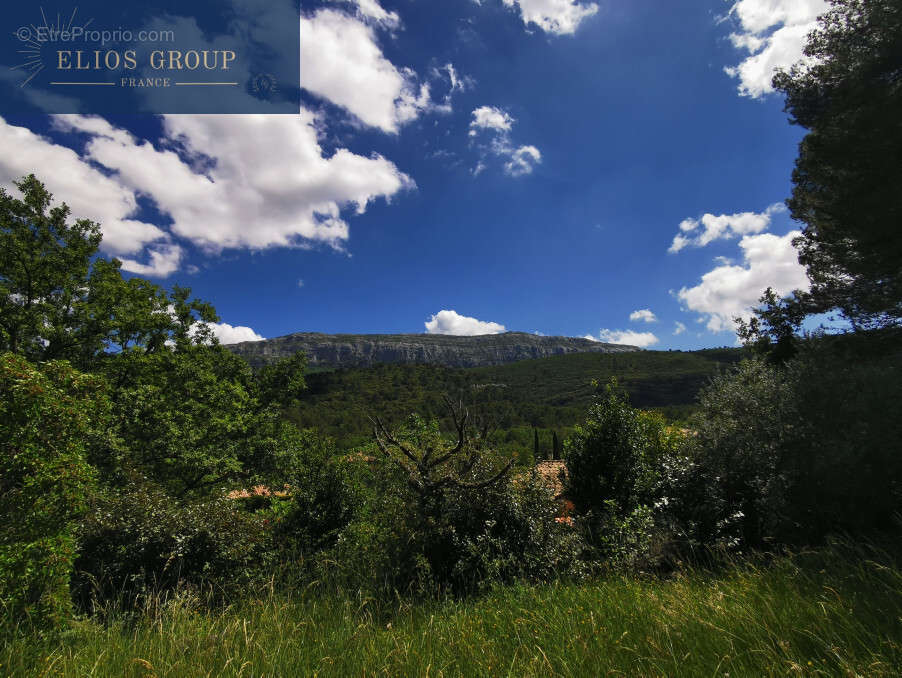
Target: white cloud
492 118
341 61
300 283
497 124
164 261
371 10
625 337
227 334
451 322
459 83
522 161
678 328
774 33
86 190
560 17
731 291
700 232
644 315
243 181
455 83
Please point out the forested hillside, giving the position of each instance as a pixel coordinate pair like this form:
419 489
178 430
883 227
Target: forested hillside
547 394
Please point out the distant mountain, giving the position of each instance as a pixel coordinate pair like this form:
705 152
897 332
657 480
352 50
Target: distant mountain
546 394
365 350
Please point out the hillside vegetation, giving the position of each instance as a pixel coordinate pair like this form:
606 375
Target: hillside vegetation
162 515
548 394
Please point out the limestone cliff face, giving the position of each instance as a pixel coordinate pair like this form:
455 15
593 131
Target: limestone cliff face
363 350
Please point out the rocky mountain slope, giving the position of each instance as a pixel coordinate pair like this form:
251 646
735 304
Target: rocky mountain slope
363 350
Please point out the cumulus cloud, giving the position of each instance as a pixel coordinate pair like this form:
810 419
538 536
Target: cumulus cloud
451 322
490 118
625 337
730 291
559 17
89 192
700 232
678 328
242 181
773 33
522 161
228 334
644 315
372 11
491 128
164 261
341 61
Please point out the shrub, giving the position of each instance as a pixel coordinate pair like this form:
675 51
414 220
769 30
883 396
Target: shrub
845 463
745 428
791 454
139 541
457 528
47 416
617 462
325 492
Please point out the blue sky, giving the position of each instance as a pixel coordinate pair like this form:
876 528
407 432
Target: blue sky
568 167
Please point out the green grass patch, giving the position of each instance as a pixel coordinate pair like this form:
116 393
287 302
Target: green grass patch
827 613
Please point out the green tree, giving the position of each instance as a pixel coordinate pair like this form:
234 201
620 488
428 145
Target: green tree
283 382
772 331
847 175
44 268
747 429
194 418
614 472
60 300
48 417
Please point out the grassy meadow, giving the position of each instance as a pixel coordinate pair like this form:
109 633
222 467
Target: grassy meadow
833 612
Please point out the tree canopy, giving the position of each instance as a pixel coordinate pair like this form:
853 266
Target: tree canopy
848 95
61 300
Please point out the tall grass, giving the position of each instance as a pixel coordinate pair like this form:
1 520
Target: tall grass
836 612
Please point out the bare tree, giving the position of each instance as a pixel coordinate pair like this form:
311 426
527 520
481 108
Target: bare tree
437 465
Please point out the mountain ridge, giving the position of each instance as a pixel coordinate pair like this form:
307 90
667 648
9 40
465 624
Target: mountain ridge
365 350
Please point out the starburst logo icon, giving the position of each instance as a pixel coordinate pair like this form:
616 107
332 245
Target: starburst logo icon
34 36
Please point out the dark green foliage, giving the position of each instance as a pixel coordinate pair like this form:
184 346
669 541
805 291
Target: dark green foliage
458 527
616 462
745 425
59 300
185 417
796 453
847 469
194 420
44 265
137 541
772 331
282 382
539 394
48 416
847 176
326 493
